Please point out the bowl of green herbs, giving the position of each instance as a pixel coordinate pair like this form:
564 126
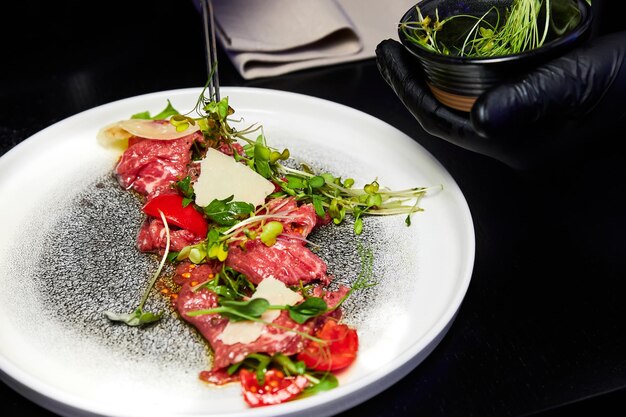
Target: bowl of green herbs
465 47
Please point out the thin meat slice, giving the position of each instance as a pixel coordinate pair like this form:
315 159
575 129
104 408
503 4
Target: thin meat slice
284 335
301 218
150 166
273 339
152 237
288 260
193 274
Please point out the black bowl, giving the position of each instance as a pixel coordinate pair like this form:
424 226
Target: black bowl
457 81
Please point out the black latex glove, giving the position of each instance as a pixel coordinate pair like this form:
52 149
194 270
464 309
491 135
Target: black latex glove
552 115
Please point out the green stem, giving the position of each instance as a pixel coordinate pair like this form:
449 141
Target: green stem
232 311
163 259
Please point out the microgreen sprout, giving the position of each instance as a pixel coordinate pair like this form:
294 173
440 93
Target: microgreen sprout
526 25
337 197
329 195
139 317
252 309
215 246
227 212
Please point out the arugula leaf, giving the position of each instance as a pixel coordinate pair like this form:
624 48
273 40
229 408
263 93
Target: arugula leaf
227 212
243 310
326 382
309 308
186 189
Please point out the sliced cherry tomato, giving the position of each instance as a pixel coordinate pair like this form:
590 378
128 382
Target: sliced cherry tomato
277 387
171 205
338 353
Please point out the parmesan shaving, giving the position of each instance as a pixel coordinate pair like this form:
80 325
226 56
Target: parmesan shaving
274 291
221 177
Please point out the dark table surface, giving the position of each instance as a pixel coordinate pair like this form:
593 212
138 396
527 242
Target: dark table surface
542 327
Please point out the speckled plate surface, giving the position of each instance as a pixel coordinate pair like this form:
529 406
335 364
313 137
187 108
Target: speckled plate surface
67 254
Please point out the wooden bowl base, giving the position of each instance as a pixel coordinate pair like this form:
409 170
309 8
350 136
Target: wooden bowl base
455 101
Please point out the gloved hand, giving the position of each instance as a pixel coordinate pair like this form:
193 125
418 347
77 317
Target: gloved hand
551 116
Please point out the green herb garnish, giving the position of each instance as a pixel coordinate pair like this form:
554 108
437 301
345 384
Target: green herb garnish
228 212
260 363
526 25
253 309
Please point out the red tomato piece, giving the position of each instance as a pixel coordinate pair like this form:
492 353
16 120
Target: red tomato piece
338 353
171 205
277 387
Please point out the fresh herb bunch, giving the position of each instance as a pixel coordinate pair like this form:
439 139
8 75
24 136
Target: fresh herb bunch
329 195
233 221
228 285
525 25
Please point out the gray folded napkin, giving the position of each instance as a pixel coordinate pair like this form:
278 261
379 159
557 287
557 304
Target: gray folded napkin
271 37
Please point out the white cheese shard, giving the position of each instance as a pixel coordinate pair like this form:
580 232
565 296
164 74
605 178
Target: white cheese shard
221 176
274 291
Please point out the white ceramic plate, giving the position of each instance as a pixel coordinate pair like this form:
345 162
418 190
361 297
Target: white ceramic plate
67 254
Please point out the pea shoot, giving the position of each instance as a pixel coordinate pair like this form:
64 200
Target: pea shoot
330 195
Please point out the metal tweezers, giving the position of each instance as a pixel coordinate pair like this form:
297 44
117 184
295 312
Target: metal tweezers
211 50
